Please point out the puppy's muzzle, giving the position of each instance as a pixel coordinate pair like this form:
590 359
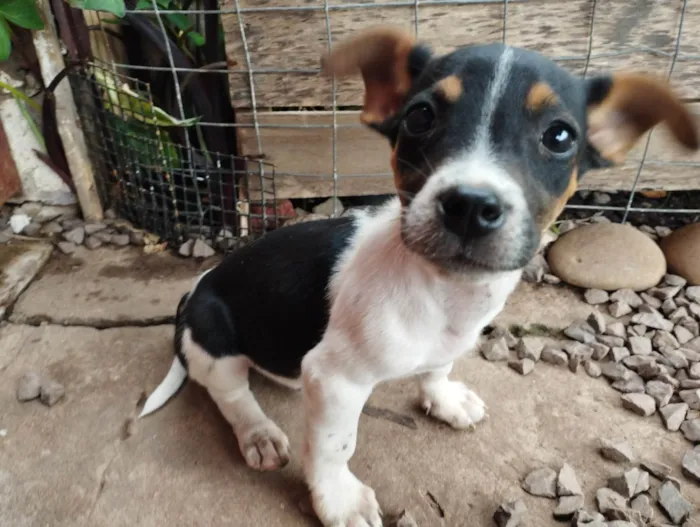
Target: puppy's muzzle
470 212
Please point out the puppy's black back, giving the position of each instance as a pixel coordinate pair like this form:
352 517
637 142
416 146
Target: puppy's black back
269 300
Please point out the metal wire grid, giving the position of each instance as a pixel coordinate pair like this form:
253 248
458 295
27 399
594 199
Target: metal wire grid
250 71
175 191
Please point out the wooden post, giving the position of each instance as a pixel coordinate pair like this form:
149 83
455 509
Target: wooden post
9 178
48 50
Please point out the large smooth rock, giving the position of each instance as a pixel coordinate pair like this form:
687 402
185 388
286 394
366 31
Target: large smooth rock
682 250
607 256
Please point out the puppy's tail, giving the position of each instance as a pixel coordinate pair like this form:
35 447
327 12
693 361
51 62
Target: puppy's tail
177 374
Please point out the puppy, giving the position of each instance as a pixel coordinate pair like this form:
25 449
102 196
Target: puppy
488 143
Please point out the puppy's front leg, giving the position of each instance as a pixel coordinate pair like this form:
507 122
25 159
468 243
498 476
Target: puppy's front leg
449 401
333 407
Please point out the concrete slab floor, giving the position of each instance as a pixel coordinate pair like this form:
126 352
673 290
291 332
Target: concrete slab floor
81 462
20 261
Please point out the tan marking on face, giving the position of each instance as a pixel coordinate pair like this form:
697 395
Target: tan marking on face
552 213
540 96
450 88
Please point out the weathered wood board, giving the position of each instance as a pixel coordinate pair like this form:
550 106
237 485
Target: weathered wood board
301 149
584 36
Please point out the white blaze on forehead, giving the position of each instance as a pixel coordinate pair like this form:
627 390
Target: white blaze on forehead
494 93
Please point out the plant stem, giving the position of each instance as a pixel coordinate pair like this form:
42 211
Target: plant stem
19 95
32 125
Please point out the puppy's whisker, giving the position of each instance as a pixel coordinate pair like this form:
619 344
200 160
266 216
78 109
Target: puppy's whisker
413 167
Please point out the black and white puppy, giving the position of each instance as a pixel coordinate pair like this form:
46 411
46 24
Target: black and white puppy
488 144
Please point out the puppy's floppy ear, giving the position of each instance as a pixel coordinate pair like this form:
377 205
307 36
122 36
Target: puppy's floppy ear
388 59
622 108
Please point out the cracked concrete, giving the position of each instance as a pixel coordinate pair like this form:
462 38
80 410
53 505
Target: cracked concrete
86 462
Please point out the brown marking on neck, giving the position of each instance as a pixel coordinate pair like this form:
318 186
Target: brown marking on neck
450 88
552 212
540 96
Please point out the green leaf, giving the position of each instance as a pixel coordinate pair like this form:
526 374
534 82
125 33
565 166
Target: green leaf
5 41
197 39
116 7
22 13
148 4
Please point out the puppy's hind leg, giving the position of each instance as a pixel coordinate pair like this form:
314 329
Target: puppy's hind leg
263 445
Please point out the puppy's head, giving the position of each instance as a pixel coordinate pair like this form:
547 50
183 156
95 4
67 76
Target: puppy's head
489 141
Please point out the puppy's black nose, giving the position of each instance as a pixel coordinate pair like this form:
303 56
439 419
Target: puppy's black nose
470 212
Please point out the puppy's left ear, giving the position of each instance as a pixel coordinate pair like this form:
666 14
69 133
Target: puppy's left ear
389 61
622 108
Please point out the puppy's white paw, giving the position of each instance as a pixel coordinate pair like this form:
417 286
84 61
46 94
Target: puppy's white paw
344 501
264 446
454 403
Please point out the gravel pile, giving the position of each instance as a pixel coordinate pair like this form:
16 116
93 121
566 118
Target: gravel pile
632 497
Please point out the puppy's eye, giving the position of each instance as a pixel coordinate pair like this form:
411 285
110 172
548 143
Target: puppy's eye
559 138
419 120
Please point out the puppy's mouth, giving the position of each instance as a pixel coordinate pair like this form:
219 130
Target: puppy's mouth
508 249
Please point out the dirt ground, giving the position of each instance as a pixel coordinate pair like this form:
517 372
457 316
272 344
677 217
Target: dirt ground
99 322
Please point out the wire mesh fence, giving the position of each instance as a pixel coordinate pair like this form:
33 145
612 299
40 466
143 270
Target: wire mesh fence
298 138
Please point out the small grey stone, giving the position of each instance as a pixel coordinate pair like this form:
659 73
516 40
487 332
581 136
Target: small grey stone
691 465
651 300
639 329
541 482
669 307
693 344
673 503
575 361
689 384
104 236
681 375
92 243
674 357
326 207
583 517
581 332
120 240
567 507
592 369
72 223
694 308
691 430
550 279
690 324
530 348
500 331
632 384
659 470
664 293
76 235
597 321
660 392
642 504
202 249
186 248
4 237
619 353
92 228
533 272
576 348
615 371
510 514
596 296
51 228
693 414
682 334
51 392
600 351
664 339
616 329
619 309
609 501
67 247
110 214
522 366
617 451
620 523
28 386
613 342
631 483
566 226
654 320
682 301
32 229
694 371
600 198
693 293
405 519
674 280
47 214
137 238
639 403
495 350
554 356
567 482
627 296
668 379
634 362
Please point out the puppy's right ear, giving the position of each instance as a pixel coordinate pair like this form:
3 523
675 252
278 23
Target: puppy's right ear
389 61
